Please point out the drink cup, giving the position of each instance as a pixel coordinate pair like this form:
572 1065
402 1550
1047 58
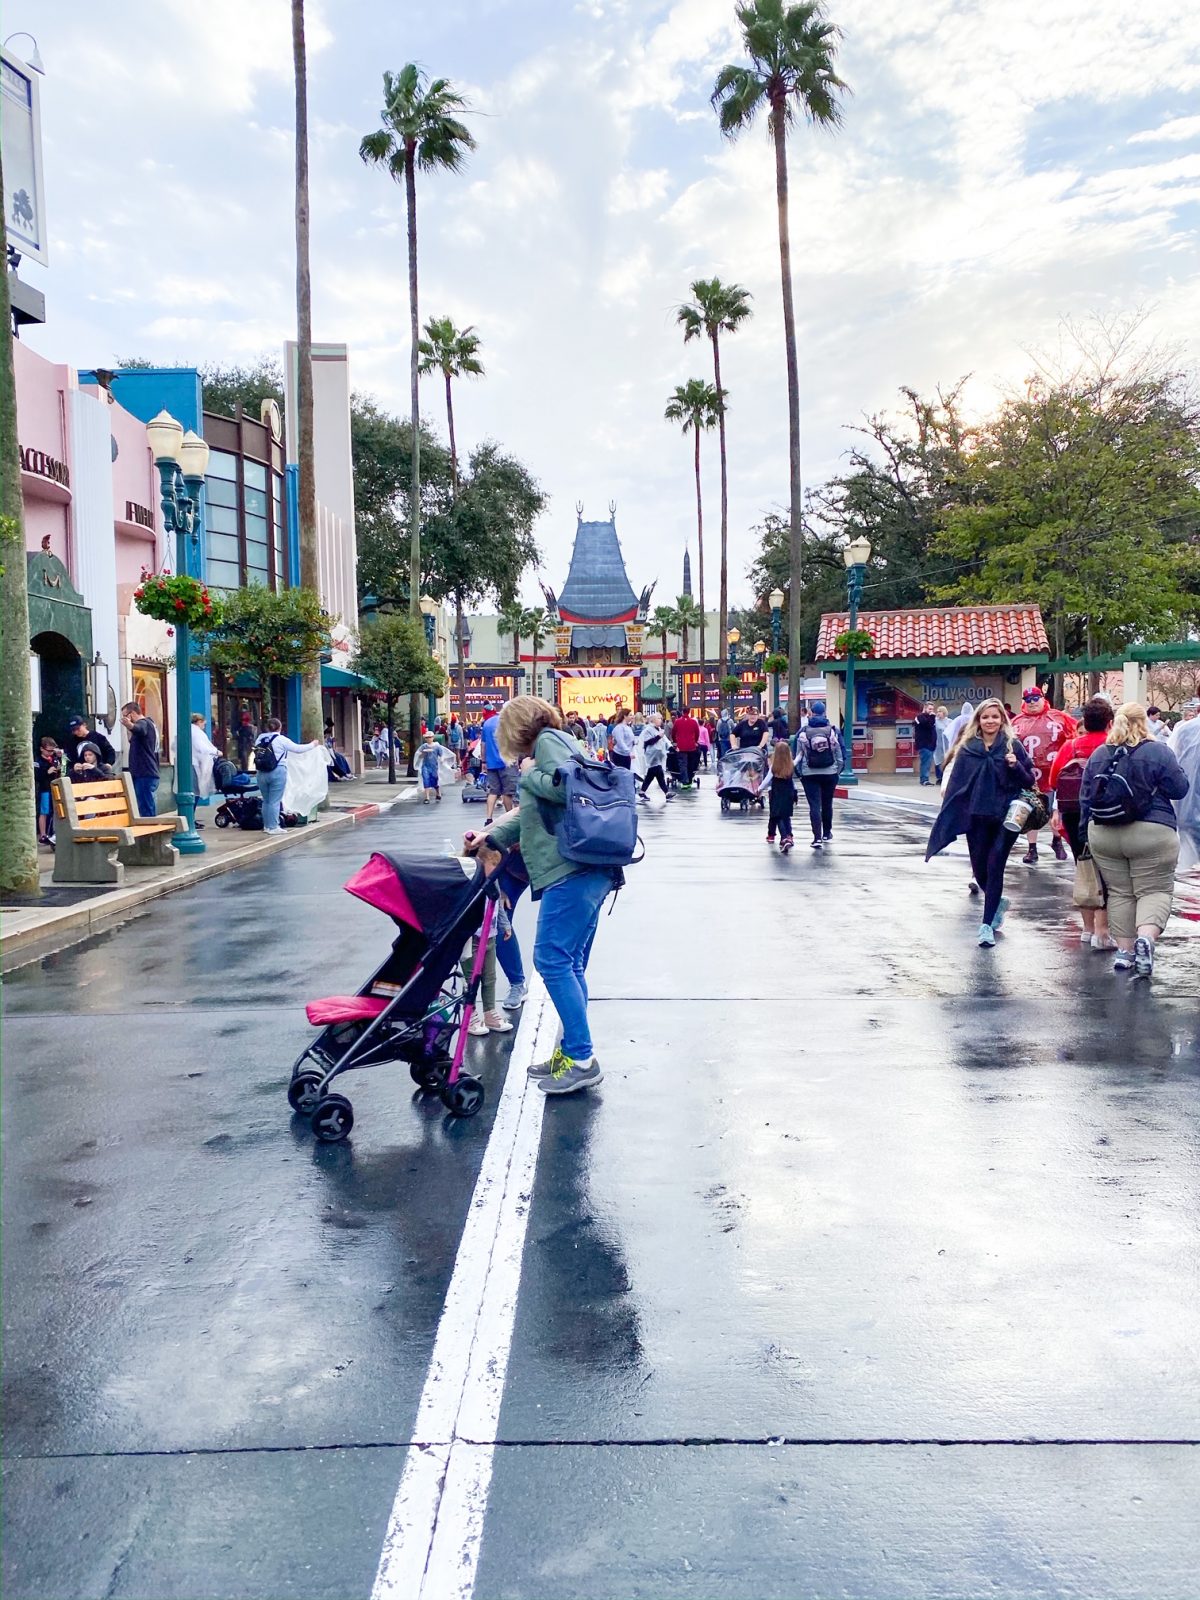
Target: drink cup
1019 813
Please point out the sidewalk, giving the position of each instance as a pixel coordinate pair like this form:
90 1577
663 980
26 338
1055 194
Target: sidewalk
66 914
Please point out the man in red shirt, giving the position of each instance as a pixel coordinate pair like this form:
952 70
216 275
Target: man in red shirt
686 733
1043 731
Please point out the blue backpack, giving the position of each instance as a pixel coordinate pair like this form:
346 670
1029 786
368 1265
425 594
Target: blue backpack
598 825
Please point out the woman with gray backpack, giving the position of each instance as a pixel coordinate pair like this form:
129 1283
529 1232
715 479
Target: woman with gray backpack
820 757
1126 811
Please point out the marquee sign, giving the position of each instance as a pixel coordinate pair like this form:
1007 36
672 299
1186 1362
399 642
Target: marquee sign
21 142
595 696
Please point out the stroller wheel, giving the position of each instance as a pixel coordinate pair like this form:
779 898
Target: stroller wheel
222 818
464 1097
332 1118
304 1091
428 1075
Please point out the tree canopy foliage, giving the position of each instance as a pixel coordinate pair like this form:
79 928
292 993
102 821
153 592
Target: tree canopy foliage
266 634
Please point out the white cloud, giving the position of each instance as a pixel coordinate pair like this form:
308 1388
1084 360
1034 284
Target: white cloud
637 191
1174 131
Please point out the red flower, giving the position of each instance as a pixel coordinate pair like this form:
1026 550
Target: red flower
170 633
138 593
166 572
179 606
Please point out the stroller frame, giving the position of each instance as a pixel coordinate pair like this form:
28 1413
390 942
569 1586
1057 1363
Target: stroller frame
401 1033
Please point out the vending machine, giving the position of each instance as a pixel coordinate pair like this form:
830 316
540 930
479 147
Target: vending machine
862 747
906 746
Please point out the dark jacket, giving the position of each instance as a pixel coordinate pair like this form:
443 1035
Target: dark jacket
45 772
142 758
802 749
73 741
926 736
1154 774
781 798
981 786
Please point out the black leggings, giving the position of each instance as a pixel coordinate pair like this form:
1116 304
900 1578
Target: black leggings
989 843
819 794
654 775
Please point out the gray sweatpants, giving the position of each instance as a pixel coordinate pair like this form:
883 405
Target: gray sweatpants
1137 863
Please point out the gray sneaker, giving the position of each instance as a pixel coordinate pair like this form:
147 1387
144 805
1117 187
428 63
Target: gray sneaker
516 997
566 1076
1143 957
543 1069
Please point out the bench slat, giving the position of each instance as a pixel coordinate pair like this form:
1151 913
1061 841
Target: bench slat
99 786
100 808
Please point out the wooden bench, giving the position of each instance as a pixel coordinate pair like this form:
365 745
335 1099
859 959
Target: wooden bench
98 832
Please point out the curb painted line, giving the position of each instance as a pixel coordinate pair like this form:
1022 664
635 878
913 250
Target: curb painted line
83 920
435 1529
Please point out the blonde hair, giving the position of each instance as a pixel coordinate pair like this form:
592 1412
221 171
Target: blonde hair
521 720
1129 725
973 730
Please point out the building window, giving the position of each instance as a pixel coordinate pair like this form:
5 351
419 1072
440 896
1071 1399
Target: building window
243 523
149 684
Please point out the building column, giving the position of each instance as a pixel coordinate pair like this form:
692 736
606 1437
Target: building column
834 684
1136 685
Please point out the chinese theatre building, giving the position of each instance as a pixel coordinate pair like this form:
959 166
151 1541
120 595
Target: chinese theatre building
599 626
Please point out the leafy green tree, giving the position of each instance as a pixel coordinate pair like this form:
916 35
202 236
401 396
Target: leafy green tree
696 406
717 308
480 542
267 634
393 653
454 352
1085 497
310 573
18 825
688 615
421 129
382 446
792 50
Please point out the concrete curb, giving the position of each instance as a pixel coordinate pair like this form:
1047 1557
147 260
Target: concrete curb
78 922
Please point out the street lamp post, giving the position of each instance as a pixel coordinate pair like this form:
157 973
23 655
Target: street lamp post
181 459
776 603
732 639
856 555
760 650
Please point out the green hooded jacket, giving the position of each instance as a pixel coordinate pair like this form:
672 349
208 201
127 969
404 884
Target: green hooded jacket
539 847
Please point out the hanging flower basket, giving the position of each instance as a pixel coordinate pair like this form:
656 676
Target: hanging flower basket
176 600
854 642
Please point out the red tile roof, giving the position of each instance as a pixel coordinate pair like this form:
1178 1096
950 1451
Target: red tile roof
945 631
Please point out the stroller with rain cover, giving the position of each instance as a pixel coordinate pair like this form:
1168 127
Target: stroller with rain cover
741 775
415 1005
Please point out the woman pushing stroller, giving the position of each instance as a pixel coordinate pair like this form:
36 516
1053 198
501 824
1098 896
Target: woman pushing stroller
531 733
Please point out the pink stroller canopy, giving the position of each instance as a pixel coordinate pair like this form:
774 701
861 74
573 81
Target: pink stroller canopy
417 892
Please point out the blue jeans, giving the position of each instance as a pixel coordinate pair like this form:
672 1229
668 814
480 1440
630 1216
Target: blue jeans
566 928
145 789
271 786
926 759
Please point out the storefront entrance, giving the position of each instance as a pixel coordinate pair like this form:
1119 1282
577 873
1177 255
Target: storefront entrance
60 628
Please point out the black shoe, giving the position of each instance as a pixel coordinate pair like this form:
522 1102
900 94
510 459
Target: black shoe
1060 849
1030 856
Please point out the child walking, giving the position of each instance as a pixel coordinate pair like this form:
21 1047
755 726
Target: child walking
781 797
430 756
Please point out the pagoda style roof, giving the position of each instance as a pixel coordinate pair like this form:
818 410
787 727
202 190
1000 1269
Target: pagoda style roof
597 587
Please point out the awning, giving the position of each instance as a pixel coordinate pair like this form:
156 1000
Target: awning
340 678
652 692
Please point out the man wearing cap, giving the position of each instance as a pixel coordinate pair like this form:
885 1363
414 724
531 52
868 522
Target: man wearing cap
1043 731
79 733
501 779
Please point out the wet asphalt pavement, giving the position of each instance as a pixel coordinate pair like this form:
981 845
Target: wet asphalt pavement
871 1269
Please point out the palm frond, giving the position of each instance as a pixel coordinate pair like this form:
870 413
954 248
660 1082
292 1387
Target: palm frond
377 148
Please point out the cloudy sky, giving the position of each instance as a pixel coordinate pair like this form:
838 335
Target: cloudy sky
1003 164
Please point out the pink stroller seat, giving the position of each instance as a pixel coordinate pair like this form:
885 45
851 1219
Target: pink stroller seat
345 1008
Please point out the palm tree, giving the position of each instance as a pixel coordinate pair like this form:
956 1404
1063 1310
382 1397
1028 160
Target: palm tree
512 620
792 50
664 621
310 681
695 405
717 308
420 130
534 628
687 615
454 352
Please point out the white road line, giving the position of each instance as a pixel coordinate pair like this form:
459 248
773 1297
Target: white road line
431 1546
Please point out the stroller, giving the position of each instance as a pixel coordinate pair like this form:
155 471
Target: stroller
415 1005
241 805
741 775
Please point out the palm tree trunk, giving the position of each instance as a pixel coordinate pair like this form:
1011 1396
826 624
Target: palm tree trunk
724 608
310 577
795 620
453 446
700 554
460 655
18 828
533 669
414 374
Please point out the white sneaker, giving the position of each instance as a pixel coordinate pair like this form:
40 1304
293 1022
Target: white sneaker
1102 941
1086 937
516 997
496 1022
479 1028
